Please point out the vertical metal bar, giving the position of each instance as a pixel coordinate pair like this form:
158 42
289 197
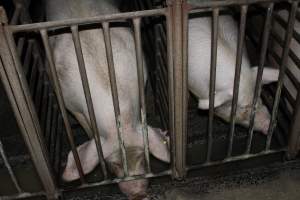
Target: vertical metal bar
239 57
179 28
15 18
18 92
214 44
285 53
140 71
171 100
258 85
8 167
61 102
114 92
294 135
88 97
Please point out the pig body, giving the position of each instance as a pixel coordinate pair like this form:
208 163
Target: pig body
93 48
199 71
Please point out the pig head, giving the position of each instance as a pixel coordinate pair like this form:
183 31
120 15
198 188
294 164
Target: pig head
199 72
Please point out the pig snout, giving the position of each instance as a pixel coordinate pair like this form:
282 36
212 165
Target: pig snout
262 122
135 190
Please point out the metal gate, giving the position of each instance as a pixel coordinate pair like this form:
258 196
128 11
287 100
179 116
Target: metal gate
39 107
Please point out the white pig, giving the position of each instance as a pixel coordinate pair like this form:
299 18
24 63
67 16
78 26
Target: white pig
199 72
93 48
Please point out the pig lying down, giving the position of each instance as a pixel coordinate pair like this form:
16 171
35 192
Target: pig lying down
199 72
93 48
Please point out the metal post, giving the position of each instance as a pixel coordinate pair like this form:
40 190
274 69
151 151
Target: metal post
16 87
179 30
294 139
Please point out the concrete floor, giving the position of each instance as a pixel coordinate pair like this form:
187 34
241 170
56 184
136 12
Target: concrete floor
279 181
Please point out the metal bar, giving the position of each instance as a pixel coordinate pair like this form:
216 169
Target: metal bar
239 57
23 195
140 71
212 84
88 97
61 102
90 20
15 18
20 45
118 180
294 136
8 167
179 87
220 3
236 158
28 56
169 21
114 92
18 92
258 84
285 53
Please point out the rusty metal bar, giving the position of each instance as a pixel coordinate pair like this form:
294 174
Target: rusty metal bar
169 21
114 92
140 71
90 20
8 167
58 92
88 97
18 93
212 85
258 84
239 56
285 53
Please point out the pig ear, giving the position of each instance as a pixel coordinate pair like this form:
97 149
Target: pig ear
89 159
158 144
269 75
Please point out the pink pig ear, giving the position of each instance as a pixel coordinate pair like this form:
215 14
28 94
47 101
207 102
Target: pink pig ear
89 159
158 144
269 75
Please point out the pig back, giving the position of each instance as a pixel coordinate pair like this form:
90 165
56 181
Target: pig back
93 49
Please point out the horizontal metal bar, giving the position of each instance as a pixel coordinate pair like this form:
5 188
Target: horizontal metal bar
258 84
90 20
220 3
114 92
236 158
88 97
22 195
118 180
57 89
140 71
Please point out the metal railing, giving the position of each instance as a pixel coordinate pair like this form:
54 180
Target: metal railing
173 94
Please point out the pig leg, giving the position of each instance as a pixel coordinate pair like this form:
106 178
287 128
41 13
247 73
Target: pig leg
84 123
220 98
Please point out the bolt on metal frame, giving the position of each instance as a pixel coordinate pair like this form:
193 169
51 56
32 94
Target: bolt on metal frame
176 14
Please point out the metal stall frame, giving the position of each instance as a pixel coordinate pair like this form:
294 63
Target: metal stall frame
176 14
17 75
